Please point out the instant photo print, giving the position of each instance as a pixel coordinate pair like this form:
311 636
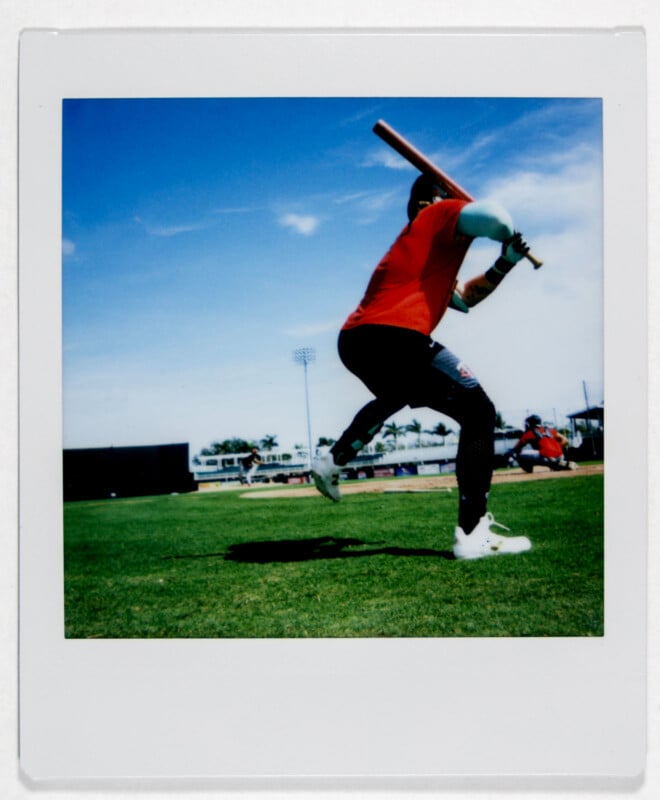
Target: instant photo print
200 214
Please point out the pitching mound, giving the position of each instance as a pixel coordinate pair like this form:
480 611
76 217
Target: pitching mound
423 483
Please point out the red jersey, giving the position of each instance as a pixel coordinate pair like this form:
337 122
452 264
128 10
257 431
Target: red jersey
544 440
412 285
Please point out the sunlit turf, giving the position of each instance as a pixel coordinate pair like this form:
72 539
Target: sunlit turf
374 565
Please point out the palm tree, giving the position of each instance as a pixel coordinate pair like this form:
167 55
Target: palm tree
415 427
235 445
269 442
238 445
440 430
394 430
324 441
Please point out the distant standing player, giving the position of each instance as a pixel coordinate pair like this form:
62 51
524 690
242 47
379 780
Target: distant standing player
386 342
547 447
249 465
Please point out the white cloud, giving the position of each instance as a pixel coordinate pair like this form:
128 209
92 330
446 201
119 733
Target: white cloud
234 210
68 247
371 111
379 201
367 206
174 230
386 158
569 196
165 231
351 197
390 159
304 224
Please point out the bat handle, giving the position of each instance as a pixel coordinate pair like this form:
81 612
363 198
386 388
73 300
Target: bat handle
534 260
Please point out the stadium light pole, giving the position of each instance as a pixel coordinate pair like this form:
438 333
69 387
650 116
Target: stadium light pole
306 356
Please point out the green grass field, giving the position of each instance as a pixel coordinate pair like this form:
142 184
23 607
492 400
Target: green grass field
374 565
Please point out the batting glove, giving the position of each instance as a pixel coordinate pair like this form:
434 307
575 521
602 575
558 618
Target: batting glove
514 248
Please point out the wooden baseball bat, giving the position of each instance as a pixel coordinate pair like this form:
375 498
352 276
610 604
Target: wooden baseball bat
424 165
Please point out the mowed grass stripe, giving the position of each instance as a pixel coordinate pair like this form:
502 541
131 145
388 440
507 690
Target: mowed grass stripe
375 565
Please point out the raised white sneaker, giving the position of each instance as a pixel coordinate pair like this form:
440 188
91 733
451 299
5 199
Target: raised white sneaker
482 542
326 476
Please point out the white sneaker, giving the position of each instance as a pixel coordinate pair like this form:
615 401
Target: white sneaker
483 542
326 476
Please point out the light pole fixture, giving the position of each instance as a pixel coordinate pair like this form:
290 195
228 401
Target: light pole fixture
306 356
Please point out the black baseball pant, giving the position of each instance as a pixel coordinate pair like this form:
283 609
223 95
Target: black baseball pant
405 368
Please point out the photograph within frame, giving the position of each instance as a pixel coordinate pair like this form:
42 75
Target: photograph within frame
70 729
179 325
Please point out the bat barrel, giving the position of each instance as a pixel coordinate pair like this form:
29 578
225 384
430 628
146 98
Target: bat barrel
417 159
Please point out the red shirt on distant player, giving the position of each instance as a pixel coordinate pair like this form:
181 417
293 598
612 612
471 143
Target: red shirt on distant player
546 440
412 285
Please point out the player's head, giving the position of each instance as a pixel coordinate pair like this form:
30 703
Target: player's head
533 421
423 192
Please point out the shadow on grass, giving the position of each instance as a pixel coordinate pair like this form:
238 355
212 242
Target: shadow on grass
287 550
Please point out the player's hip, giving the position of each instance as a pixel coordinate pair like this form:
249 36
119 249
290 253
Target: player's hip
401 363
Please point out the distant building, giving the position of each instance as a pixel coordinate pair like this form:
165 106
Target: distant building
588 428
212 472
106 472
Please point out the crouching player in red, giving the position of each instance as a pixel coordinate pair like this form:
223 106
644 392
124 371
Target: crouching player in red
547 447
386 342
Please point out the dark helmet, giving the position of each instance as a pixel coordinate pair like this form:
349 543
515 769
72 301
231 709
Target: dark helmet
422 192
533 421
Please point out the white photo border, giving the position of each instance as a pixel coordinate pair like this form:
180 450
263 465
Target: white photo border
207 709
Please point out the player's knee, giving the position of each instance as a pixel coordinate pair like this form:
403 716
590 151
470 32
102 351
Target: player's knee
479 409
489 411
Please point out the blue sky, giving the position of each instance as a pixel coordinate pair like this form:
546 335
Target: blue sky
205 239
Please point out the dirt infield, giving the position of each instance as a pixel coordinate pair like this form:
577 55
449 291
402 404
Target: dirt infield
424 483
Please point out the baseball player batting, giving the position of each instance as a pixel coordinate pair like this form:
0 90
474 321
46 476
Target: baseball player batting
386 342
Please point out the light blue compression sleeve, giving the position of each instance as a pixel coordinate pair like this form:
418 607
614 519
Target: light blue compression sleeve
484 218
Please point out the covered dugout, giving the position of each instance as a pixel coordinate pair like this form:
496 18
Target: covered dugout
589 425
95 473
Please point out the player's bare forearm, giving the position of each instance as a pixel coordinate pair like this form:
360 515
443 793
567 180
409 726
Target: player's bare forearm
475 290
